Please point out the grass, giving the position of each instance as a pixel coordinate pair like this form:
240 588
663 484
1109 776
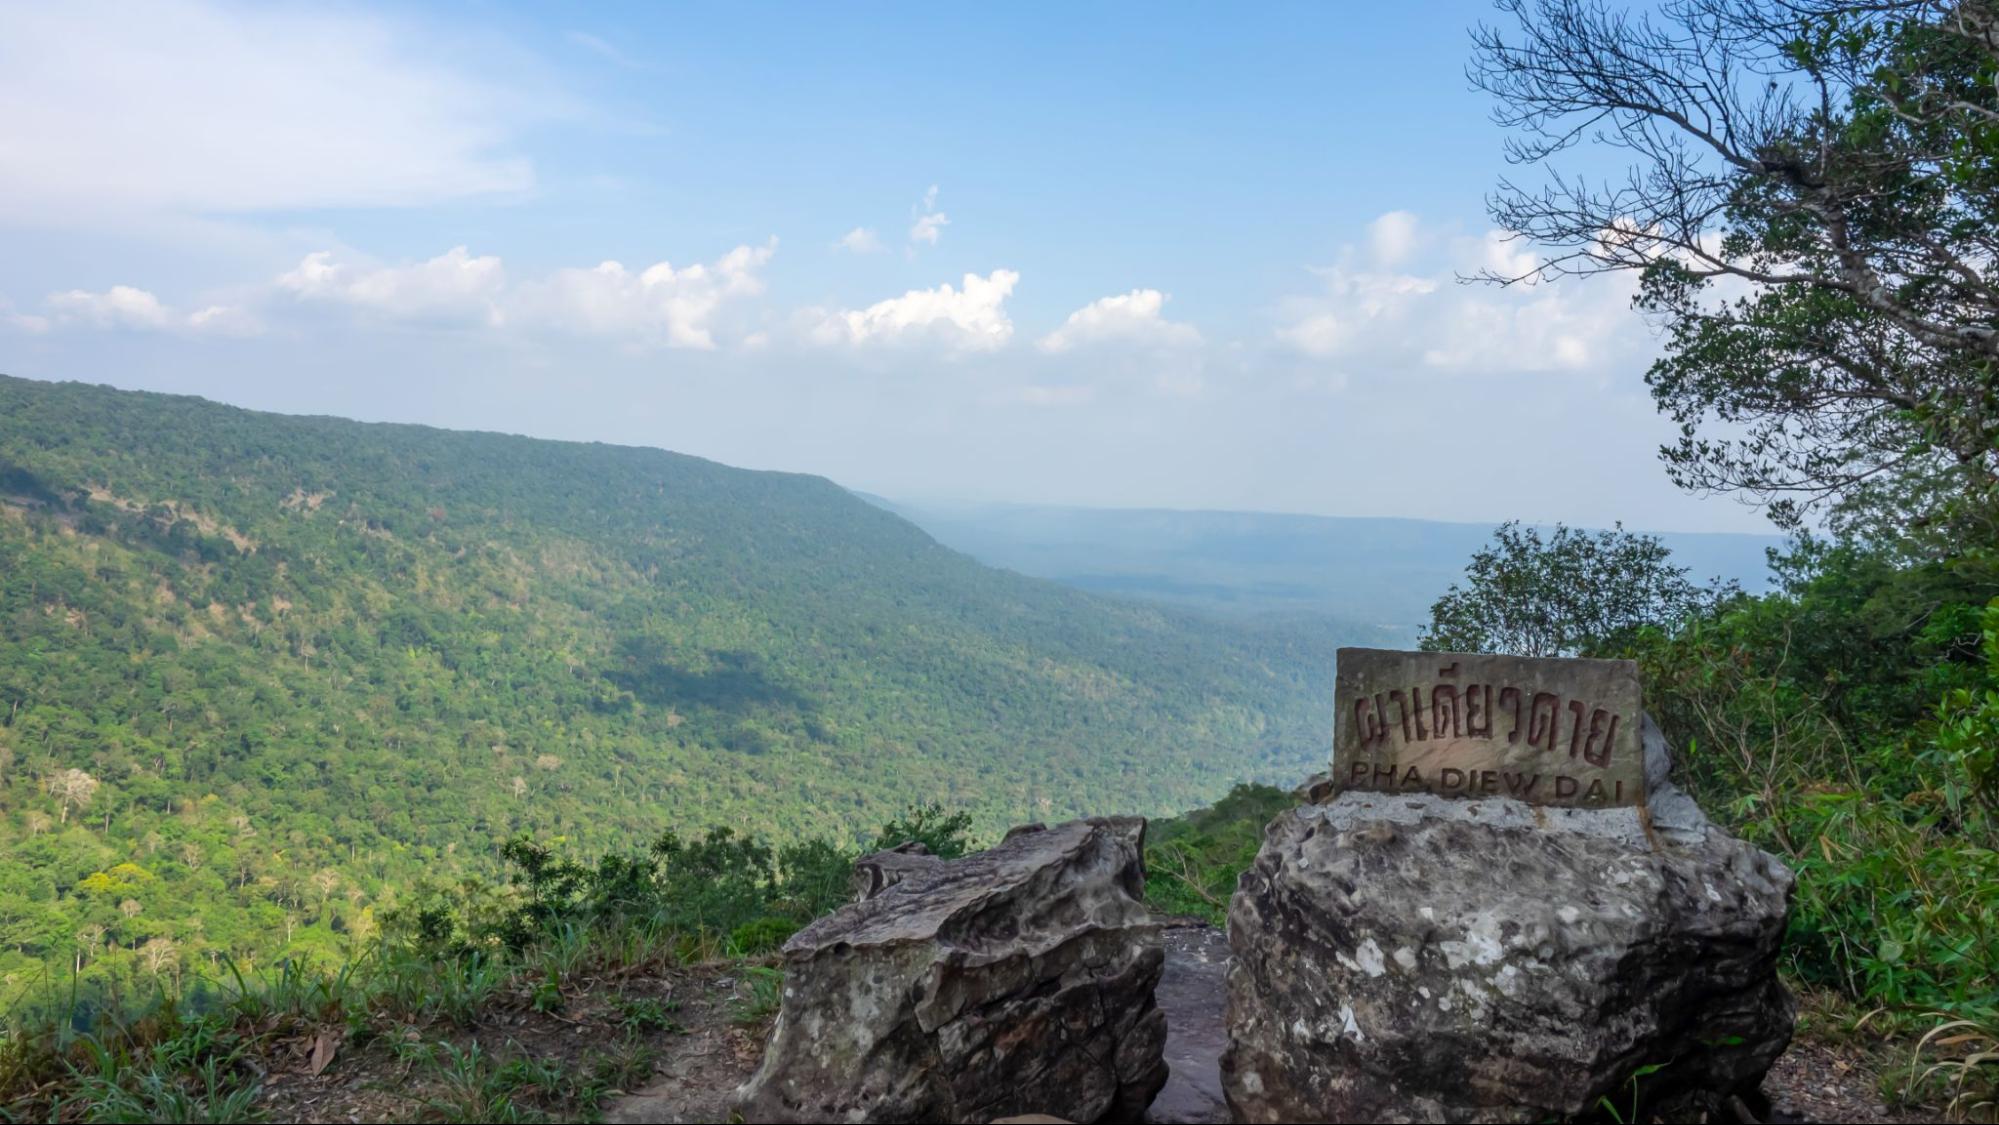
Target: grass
763 992
204 1054
1959 1060
564 949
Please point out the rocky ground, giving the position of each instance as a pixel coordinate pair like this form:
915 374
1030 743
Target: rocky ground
1814 1081
603 1054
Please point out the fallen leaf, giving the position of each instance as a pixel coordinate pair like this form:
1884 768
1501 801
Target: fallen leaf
323 1049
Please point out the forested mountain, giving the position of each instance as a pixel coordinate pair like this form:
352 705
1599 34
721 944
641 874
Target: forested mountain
259 673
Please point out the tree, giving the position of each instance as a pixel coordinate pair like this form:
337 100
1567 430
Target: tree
1810 204
161 955
74 788
1572 594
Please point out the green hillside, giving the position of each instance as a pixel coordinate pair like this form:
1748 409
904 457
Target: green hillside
272 670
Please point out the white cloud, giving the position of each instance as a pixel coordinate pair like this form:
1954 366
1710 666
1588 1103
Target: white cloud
225 320
1389 319
973 318
661 302
120 306
929 223
1352 305
1393 238
860 240
132 308
453 287
1129 318
199 108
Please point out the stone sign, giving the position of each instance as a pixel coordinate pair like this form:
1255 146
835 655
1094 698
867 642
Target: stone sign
1544 731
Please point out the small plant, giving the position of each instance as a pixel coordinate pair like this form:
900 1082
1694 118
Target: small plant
1969 1073
547 995
764 993
189 1073
645 1013
1633 1086
473 1089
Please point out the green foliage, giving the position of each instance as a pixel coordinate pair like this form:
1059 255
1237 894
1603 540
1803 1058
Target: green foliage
645 1013
1810 721
264 680
1192 861
760 935
446 962
945 834
1569 595
764 991
1848 721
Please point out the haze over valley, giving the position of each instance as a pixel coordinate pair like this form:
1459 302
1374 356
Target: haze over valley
1382 573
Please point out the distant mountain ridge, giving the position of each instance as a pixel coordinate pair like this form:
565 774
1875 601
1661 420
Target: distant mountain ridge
1379 572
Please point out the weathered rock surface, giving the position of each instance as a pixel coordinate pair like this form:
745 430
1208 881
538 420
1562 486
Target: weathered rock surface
876 873
1417 958
1016 980
1193 993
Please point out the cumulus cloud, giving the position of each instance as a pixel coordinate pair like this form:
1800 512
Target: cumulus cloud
860 240
1129 319
1392 238
225 320
929 222
131 308
1377 317
194 107
453 287
971 318
120 306
658 304
1352 305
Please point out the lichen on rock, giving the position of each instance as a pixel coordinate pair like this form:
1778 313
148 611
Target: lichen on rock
1418 958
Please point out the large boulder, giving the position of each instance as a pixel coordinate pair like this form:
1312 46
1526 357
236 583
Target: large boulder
1417 958
1016 980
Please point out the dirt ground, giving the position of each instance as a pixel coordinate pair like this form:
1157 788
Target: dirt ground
683 1071
1825 1081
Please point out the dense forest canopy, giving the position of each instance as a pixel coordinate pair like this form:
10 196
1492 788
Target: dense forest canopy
260 674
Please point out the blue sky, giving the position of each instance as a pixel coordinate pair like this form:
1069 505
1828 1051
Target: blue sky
1121 255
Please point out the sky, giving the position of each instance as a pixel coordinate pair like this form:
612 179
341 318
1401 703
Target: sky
1107 255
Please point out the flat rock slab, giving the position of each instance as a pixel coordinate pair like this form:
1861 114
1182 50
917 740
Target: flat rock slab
1193 991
